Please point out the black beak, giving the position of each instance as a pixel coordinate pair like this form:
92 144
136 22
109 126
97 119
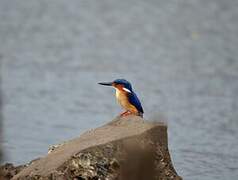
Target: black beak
106 83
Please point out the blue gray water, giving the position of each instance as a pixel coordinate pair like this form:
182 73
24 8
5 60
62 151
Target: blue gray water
181 57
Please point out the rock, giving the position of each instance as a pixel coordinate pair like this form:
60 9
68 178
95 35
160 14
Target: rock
127 148
8 170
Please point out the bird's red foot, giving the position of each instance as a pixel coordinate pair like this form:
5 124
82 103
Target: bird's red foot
126 113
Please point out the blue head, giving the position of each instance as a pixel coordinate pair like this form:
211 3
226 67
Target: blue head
118 83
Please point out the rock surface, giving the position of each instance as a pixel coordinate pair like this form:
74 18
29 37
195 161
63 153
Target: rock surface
127 148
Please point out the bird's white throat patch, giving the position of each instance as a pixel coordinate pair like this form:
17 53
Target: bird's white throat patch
120 93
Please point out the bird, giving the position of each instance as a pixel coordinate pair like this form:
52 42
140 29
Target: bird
126 97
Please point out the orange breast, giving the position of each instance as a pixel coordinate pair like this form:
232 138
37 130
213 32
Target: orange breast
123 101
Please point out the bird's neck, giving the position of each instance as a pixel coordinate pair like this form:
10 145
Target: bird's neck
120 93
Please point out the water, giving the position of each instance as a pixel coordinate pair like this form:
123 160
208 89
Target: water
181 57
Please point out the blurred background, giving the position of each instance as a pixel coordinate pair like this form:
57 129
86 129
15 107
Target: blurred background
180 56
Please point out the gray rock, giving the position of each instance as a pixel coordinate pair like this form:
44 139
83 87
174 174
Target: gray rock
126 148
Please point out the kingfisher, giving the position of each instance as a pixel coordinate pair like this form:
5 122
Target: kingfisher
126 97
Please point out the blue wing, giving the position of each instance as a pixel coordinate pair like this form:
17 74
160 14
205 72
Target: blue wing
133 99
